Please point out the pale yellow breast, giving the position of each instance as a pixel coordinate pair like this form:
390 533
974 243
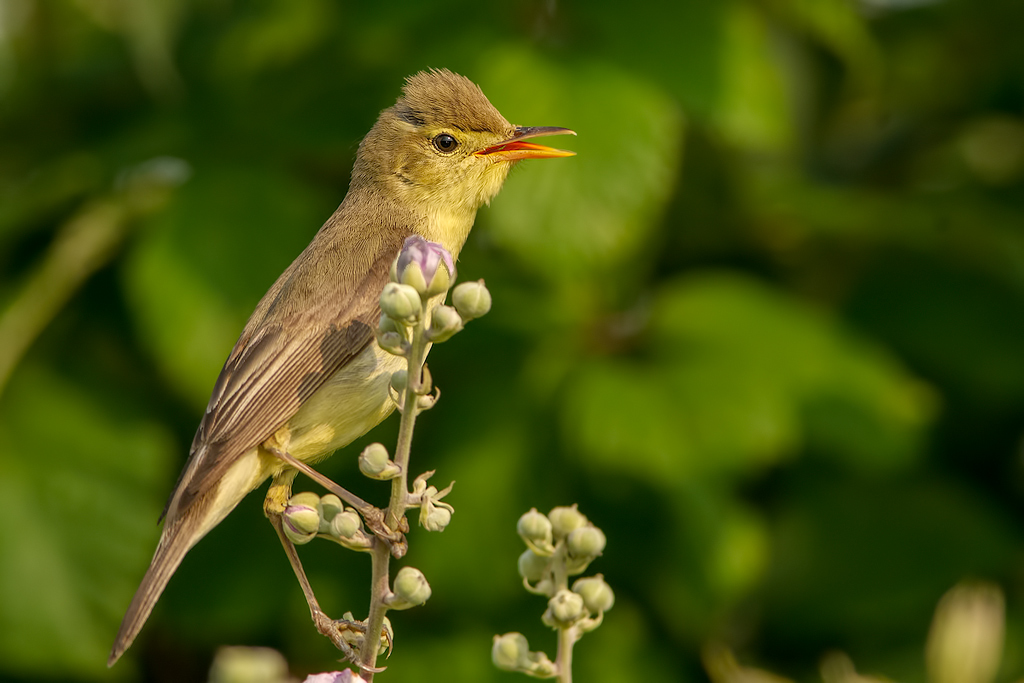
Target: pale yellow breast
349 404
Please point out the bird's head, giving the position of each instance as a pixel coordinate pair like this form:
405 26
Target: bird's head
444 150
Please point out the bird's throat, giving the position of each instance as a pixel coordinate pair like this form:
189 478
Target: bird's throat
448 227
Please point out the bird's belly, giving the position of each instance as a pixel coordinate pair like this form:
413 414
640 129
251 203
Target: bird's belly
349 404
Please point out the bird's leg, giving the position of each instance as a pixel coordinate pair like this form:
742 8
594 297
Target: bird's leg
274 506
374 517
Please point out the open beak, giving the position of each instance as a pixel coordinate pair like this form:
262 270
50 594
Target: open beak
516 147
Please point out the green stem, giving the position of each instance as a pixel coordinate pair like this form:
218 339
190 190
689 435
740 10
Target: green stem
381 556
380 560
400 484
83 245
567 637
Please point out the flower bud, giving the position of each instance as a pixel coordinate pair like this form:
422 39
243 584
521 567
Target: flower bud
426 266
330 506
586 541
388 324
597 595
565 519
394 343
471 299
535 529
427 402
400 302
346 676
565 609
436 518
410 589
375 463
345 524
302 517
511 652
246 664
965 642
444 323
413 276
399 380
532 566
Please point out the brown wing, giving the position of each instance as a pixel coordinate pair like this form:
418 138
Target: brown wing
273 369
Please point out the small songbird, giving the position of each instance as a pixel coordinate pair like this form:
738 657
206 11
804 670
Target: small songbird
306 376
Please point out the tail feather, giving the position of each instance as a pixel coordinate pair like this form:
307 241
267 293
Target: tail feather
183 528
174 543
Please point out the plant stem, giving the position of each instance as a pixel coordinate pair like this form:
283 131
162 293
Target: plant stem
380 559
381 556
400 484
563 658
567 637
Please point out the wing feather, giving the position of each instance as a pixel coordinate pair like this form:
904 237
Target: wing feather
273 369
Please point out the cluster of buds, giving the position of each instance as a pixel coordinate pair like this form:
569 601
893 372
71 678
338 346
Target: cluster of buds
424 270
308 515
413 316
560 544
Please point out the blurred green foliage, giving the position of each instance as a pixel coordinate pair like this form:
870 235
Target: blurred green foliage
767 327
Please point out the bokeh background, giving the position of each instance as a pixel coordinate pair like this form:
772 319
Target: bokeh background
767 328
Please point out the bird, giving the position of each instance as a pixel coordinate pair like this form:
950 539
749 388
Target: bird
306 376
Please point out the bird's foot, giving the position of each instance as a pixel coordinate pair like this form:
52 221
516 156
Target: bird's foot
347 635
278 494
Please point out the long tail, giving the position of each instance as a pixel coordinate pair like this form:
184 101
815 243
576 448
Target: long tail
183 528
176 540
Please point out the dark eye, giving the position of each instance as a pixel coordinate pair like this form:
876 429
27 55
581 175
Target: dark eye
445 143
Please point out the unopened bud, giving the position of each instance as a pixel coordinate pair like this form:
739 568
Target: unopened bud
399 380
426 266
444 323
400 302
586 541
375 463
345 524
532 566
330 506
511 652
301 517
471 299
565 519
388 324
393 342
237 664
597 595
565 609
346 676
413 276
966 639
410 589
436 518
535 529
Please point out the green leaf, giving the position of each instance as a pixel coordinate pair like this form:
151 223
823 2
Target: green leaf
589 214
739 375
754 111
839 26
81 484
196 274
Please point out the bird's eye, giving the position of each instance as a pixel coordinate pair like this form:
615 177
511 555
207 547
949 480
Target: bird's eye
445 143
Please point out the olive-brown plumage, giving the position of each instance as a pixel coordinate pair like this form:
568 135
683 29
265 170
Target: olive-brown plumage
305 374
